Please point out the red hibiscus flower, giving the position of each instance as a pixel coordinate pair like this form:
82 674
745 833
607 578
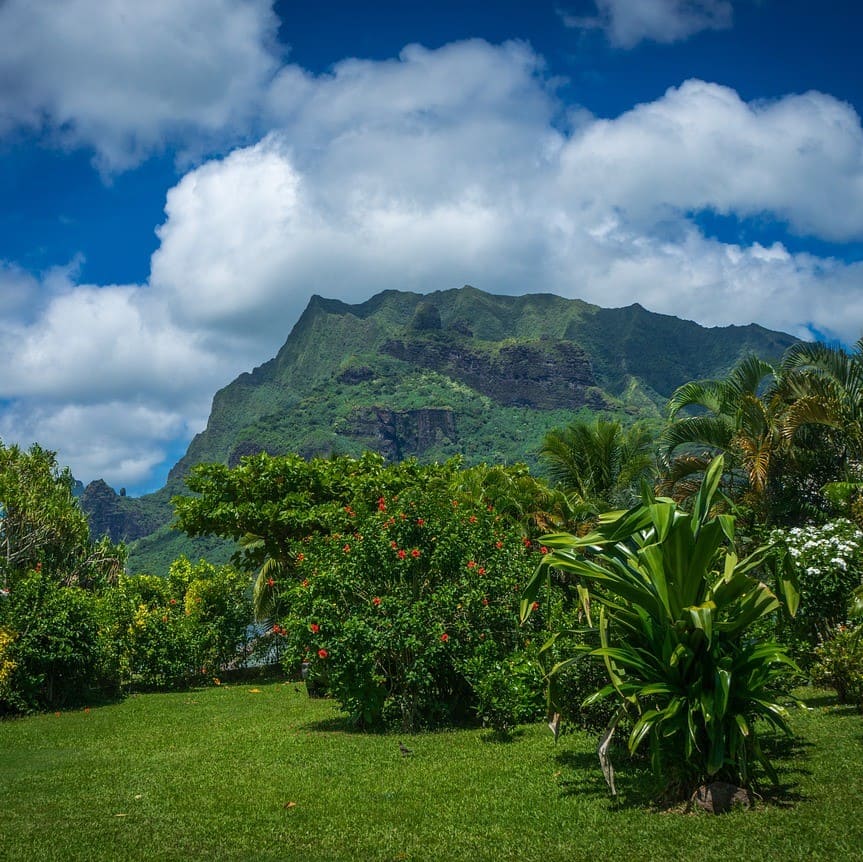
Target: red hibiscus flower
444 637
402 554
471 564
415 553
315 628
322 653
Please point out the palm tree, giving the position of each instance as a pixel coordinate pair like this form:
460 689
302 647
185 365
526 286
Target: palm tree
742 417
825 386
598 463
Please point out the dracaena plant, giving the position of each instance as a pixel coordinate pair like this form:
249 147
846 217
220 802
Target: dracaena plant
675 611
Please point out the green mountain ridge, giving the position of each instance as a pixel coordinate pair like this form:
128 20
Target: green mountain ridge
457 371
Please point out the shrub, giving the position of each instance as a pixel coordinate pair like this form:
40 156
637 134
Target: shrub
187 626
49 645
508 692
828 563
395 614
839 665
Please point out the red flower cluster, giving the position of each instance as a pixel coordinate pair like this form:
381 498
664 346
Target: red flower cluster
526 542
347 549
535 606
481 570
278 630
498 544
270 582
322 653
305 582
415 553
300 557
472 519
350 511
382 504
315 628
444 637
420 522
543 549
376 601
402 554
471 564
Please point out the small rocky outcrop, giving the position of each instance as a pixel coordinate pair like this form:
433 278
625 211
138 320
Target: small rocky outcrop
121 518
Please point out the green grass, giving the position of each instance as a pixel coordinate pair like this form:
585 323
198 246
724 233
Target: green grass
208 774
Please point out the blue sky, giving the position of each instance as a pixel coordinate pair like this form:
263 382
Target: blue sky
176 179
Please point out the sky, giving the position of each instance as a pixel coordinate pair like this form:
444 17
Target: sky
177 179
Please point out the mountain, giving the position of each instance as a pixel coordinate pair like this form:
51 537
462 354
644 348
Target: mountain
456 371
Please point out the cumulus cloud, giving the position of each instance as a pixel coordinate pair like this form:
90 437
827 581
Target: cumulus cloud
628 22
700 146
129 78
432 170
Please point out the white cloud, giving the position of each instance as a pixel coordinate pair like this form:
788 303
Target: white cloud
426 172
700 146
128 78
628 22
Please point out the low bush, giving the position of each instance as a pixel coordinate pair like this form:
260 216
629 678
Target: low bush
828 563
839 665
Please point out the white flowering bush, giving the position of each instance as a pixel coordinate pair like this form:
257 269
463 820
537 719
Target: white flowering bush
828 561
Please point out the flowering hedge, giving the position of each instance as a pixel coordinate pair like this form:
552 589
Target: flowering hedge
828 561
399 616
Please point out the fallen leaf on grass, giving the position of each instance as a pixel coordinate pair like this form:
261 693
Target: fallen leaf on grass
121 815
290 805
254 691
139 796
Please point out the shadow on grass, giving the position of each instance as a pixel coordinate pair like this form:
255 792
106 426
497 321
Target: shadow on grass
503 737
638 788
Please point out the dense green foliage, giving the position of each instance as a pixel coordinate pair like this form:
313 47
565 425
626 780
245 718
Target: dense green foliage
675 610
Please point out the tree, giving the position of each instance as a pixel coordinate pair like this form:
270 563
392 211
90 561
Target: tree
598 463
42 527
741 417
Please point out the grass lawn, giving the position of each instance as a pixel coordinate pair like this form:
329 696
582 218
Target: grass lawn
230 773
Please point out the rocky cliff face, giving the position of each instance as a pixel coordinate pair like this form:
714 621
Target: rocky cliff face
542 375
399 434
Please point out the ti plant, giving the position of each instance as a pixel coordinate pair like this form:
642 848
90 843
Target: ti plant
676 607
